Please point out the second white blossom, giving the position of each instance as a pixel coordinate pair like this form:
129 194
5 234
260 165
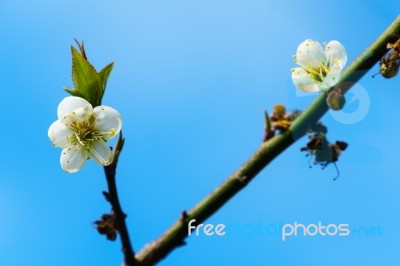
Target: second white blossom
319 69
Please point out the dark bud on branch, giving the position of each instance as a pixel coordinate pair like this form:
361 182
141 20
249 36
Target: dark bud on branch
107 226
336 99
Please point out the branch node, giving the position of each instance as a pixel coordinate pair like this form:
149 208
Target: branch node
243 179
106 195
181 243
184 216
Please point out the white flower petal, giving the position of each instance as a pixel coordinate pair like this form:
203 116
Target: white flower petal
336 54
100 153
310 55
302 80
60 135
71 103
72 159
332 78
80 114
108 121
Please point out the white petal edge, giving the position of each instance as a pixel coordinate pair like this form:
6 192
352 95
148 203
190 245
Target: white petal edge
310 55
73 159
100 153
71 103
302 81
335 51
108 121
60 135
332 78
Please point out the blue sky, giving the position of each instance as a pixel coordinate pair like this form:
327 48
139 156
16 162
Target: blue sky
191 81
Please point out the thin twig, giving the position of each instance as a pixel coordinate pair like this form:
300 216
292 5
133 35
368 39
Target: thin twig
112 197
269 150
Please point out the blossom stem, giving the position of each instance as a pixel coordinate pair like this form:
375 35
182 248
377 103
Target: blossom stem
112 197
269 150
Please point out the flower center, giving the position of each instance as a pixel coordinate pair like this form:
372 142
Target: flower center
85 132
317 73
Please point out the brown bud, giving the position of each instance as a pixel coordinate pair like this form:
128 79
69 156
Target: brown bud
336 100
279 111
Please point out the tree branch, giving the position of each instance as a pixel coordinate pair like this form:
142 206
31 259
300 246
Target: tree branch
112 197
269 150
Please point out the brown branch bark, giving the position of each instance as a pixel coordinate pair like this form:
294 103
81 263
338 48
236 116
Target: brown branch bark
112 197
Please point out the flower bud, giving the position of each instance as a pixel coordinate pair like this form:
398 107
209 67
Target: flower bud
279 111
335 100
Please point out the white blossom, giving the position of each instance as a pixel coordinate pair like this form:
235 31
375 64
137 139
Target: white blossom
319 69
82 131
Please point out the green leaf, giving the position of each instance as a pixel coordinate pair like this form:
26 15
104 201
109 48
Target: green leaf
86 79
89 84
74 92
104 75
